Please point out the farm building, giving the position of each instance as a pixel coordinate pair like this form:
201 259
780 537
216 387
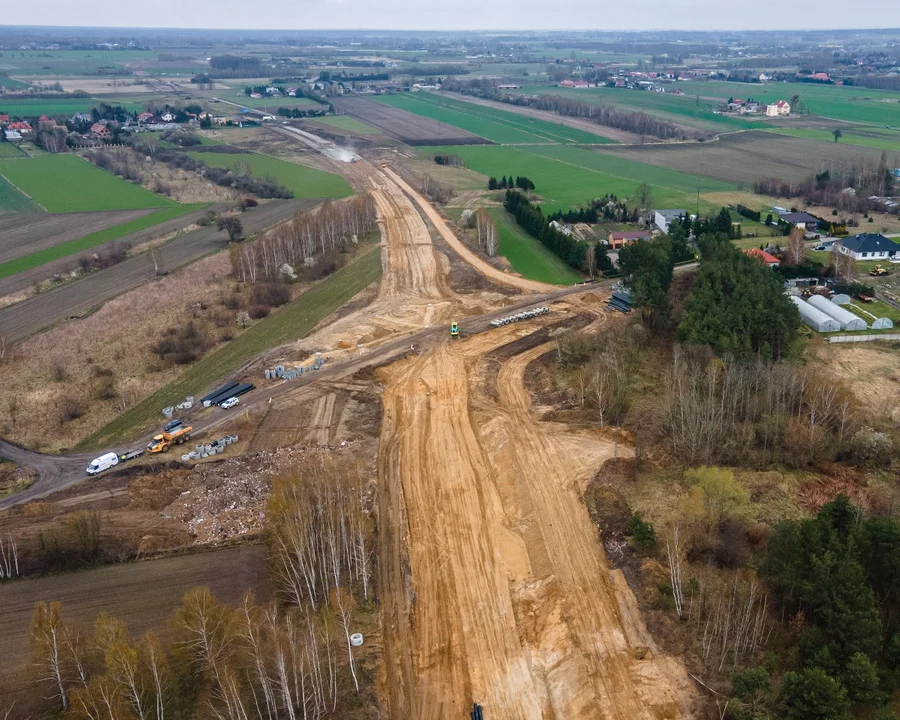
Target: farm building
662 218
767 258
847 319
13 136
617 240
815 318
868 246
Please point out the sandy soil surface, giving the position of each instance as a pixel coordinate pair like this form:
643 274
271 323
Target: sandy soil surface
507 599
622 136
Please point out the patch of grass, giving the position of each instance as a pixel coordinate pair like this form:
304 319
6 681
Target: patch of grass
881 139
36 259
305 182
66 183
344 122
568 177
495 125
60 107
290 322
10 150
527 256
13 201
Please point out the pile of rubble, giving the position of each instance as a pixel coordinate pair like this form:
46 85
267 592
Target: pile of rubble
227 499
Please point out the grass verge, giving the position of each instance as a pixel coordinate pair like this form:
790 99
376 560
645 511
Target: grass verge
527 256
291 322
36 259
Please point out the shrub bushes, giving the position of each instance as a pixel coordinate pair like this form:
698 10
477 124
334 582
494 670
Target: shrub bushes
182 346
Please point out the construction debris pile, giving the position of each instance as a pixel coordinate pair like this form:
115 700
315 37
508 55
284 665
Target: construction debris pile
227 498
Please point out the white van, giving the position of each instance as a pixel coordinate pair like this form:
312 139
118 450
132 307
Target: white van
104 462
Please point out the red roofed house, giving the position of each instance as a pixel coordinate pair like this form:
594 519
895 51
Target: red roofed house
100 130
617 240
566 83
19 126
4 119
145 117
782 107
768 259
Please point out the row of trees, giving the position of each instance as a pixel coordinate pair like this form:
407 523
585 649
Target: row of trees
283 661
636 122
522 183
309 238
530 218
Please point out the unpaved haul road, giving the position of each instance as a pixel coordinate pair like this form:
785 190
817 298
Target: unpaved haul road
493 581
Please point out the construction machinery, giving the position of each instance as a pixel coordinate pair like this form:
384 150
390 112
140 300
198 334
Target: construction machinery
454 329
878 271
162 442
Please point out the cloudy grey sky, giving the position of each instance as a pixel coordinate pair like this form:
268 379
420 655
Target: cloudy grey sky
462 14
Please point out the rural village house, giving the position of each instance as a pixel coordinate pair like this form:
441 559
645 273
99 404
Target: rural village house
767 258
782 107
868 246
802 220
663 218
618 239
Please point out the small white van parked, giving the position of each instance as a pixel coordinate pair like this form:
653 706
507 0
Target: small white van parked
104 462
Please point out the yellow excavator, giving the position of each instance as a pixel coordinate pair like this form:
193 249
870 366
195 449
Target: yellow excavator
878 271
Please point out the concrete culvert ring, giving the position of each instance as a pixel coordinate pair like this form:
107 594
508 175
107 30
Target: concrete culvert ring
356 639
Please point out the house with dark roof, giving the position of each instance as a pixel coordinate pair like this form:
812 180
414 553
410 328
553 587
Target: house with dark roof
801 220
617 239
868 246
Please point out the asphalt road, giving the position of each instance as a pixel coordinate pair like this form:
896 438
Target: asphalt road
79 297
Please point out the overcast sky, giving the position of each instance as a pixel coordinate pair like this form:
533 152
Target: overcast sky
461 14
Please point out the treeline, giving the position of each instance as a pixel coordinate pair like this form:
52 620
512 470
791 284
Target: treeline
125 164
449 160
219 64
310 240
240 178
290 659
834 583
433 70
876 82
609 207
299 113
530 218
829 186
636 122
522 183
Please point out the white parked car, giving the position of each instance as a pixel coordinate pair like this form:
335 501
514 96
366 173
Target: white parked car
229 403
104 462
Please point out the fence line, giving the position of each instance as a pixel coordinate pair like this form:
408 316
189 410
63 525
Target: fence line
863 338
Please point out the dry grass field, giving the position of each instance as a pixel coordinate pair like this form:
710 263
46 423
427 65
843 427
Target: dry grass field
745 157
63 371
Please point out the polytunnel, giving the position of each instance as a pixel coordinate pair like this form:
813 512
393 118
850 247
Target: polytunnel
847 319
882 324
816 319
841 299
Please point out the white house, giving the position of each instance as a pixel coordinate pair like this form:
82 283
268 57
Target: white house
662 218
782 107
868 246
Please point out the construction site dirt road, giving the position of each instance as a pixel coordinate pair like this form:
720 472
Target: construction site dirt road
493 581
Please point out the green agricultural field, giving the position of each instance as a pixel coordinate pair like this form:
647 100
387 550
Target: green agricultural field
66 183
568 177
879 138
61 107
27 262
527 256
305 182
290 322
8 82
10 150
344 122
267 103
13 201
496 125
853 104
68 62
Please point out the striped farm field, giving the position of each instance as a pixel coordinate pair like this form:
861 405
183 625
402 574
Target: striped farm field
67 183
13 201
495 125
